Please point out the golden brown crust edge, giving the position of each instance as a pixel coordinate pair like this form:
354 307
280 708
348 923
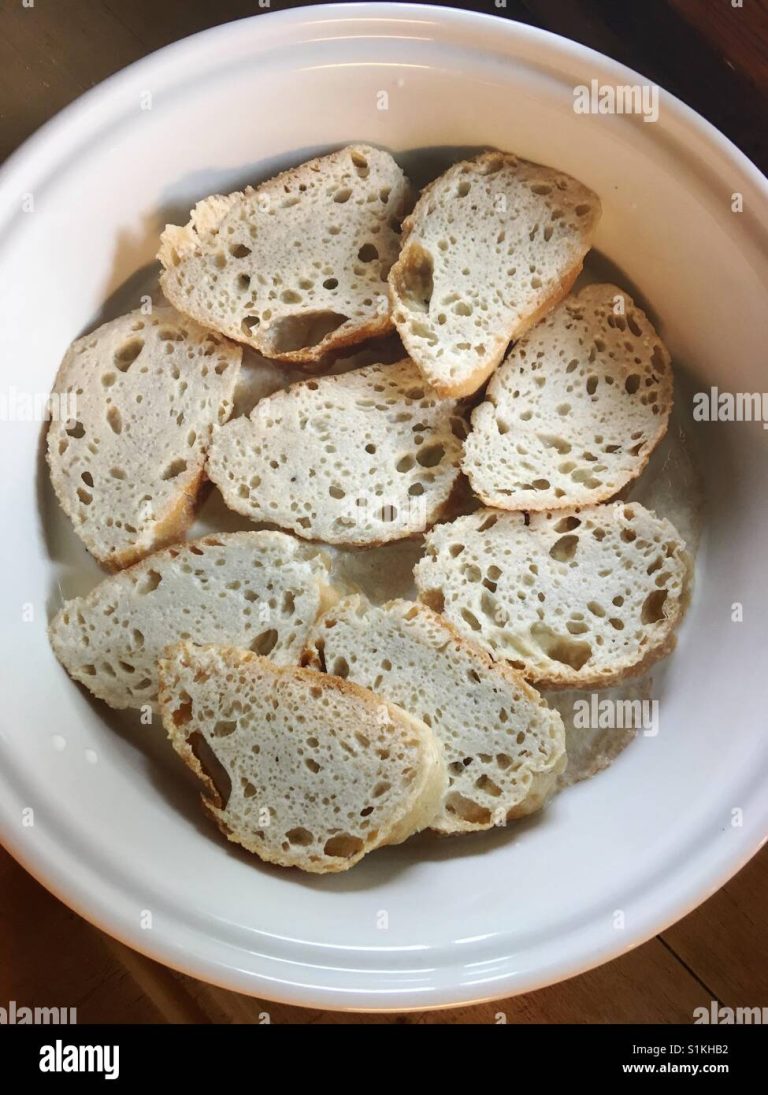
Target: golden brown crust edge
211 800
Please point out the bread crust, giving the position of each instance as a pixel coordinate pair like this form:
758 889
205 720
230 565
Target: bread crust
104 385
560 674
651 360
470 381
330 518
544 772
412 815
178 242
83 632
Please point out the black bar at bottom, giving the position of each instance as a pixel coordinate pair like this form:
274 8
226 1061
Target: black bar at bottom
134 1055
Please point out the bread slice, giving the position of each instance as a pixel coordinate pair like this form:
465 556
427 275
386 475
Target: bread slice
490 248
574 599
575 410
148 390
362 458
303 769
297 267
258 590
503 746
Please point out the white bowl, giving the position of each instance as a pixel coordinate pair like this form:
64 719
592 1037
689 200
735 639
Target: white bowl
116 831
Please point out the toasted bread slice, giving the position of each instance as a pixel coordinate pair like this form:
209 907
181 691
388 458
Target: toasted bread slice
575 410
303 769
491 246
574 599
297 267
259 590
148 391
359 459
503 746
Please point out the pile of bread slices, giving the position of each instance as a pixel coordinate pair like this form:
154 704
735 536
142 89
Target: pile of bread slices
324 726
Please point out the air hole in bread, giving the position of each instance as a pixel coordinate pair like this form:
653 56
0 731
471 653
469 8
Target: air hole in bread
653 607
340 667
264 643
149 582
430 456
637 330
559 648
114 419
360 164
239 250
487 785
224 727
413 277
567 524
176 467
212 767
564 549
434 599
577 627
302 837
128 352
343 846
183 713
632 383
470 619
303 331
467 810
367 253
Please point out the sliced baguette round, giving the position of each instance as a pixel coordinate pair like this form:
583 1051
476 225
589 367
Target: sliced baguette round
491 246
362 458
148 390
503 746
303 769
259 590
575 410
574 599
297 267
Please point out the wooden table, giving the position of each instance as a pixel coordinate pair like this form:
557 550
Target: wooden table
712 55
